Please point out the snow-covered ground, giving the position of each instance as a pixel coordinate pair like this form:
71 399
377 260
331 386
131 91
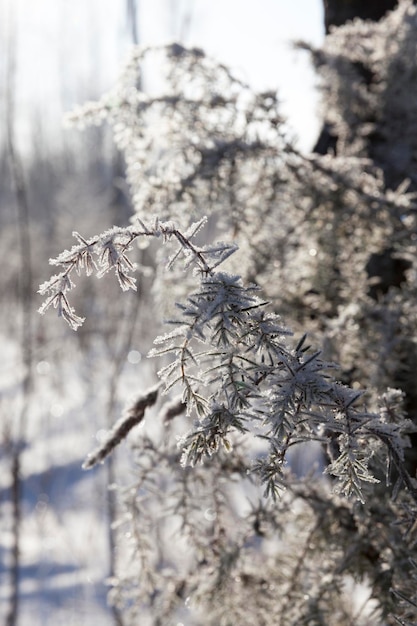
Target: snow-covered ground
64 535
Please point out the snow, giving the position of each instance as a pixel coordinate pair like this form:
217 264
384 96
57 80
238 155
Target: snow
64 549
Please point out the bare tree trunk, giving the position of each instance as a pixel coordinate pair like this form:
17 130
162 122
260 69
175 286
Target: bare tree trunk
132 18
119 355
25 289
118 359
338 12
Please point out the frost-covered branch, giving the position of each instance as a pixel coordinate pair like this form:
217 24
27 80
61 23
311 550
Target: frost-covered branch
134 416
108 251
237 373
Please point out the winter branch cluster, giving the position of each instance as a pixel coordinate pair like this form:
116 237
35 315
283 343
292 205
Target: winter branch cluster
327 242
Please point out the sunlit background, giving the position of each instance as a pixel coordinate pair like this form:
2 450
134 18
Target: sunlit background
68 51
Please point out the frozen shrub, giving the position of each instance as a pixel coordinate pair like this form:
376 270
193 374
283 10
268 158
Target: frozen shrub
221 531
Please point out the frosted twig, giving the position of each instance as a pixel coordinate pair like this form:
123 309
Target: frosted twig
122 427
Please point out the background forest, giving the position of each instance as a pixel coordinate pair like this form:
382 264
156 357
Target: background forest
260 468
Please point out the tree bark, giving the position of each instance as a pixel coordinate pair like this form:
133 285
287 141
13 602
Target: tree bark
338 12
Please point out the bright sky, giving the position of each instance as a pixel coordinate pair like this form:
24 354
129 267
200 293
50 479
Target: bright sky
253 37
71 50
